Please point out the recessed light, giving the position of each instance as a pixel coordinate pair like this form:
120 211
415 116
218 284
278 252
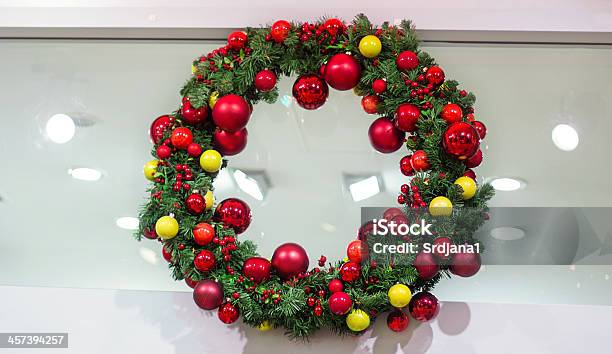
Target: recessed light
365 188
506 233
250 185
506 184
565 137
85 174
60 128
148 255
328 227
127 223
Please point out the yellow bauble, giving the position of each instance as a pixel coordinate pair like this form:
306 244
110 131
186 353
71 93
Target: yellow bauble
357 320
213 99
399 295
150 169
211 161
193 69
209 198
468 185
166 227
440 206
370 46
264 326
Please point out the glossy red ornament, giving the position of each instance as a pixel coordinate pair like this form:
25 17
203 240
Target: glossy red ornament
237 40
310 91
384 136
195 204
460 140
289 260
407 60
391 213
435 75
406 117
229 144
208 294
397 320
350 271
150 233
204 261
203 234
257 268
475 160
335 285
480 128
233 213
228 313
426 265
370 103
167 252
441 246
340 303
280 30
333 26
423 306
451 113
231 113
181 138
194 150
190 282
265 80
357 251
379 86
406 166
470 173
159 127
163 152
342 72
465 264
419 161
193 116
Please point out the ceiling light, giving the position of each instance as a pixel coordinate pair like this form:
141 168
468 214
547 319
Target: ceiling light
248 185
60 128
328 227
85 174
565 137
127 223
148 255
365 188
506 233
506 184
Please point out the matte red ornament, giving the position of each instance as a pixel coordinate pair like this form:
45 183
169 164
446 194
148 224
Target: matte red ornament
384 136
203 234
350 271
342 72
237 40
228 313
257 268
397 320
461 140
407 60
150 233
167 252
208 294
280 30
193 116
333 26
441 246
195 204
423 306
231 113
289 260
370 103
233 213
335 285
265 80
435 75
228 143
340 303
181 138
190 282
406 117
357 251
204 261
310 91
426 265
480 128
470 173
406 166
163 152
159 127
379 86
419 161
451 113
465 264
194 150
475 160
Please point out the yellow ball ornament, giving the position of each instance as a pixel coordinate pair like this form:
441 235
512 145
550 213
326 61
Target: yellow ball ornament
370 46
440 206
150 169
211 161
209 198
264 326
357 320
213 99
399 295
468 185
166 227
194 69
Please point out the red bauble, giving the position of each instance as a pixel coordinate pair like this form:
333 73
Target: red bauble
465 264
475 160
208 294
342 72
423 306
310 91
163 152
357 251
442 246
379 86
280 30
150 233
406 117
229 144
257 269
384 136
289 260
434 75
407 60
451 113
190 282
233 213
167 252
470 173
335 285
340 303
350 271
181 138
370 103
419 161
333 26
203 234
265 80
159 127
397 320
406 166
426 265
461 140
195 204
228 313
237 40
365 230
193 116
231 113
194 150
480 128
204 261
391 213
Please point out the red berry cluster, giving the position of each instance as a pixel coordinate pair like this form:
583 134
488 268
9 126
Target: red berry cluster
420 87
225 52
228 245
275 295
326 32
417 202
322 261
187 176
315 303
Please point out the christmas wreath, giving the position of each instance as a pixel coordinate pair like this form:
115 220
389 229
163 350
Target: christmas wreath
418 108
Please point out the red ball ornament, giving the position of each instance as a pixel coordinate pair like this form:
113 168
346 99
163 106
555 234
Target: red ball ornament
203 234
480 128
204 261
265 80
194 150
379 86
465 264
163 152
150 233
470 173
181 138
231 113
407 60
159 127
357 251
350 271
442 246
391 213
310 91
233 213
335 285
190 282
257 268
342 72
384 136
419 161
423 306
406 166
426 265
280 30
228 313
289 260
193 116
228 143
475 160
397 320
167 252
333 26
340 303
435 75
208 294
237 40
451 113
406 117
195 204
461 140
370 103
